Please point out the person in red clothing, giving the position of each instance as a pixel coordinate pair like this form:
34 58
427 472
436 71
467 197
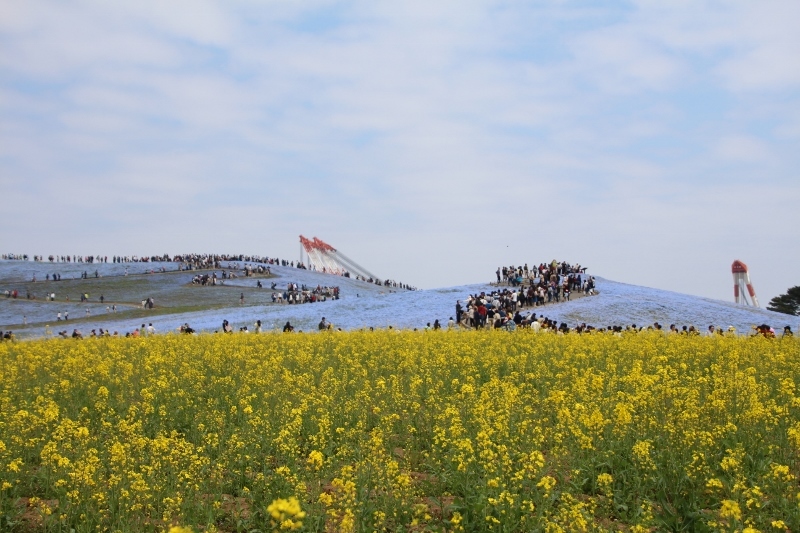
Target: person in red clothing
481 322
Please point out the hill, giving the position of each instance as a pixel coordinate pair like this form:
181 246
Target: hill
361 304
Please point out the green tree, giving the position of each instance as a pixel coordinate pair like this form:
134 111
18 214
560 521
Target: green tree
788 303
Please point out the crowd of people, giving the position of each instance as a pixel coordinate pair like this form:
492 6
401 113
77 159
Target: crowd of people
144 331
547 283
231 273
203 261
385 283
301 294
505 309
509 322
500 309
555 280
200 262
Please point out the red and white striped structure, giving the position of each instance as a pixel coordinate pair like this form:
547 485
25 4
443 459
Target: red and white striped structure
323 257
741 283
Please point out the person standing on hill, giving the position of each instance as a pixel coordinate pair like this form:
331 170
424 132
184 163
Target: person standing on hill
480 316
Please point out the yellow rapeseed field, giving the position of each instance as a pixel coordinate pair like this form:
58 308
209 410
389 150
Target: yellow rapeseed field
400 431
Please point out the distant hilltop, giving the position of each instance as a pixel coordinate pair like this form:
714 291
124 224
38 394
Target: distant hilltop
327 260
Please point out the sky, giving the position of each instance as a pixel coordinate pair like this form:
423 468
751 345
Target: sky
653 142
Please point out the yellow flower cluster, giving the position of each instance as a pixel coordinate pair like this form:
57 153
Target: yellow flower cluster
389 431
286 514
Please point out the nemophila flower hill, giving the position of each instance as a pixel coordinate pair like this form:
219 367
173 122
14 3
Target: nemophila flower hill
114 293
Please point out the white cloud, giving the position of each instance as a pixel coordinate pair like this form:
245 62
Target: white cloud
742 148
767 48
618 61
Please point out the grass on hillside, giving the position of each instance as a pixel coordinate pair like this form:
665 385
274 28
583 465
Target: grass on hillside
172 292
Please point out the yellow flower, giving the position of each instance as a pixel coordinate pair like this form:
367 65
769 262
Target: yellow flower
286 513
315 459
604 480
547 483
181 529
781 473
730 509
14 466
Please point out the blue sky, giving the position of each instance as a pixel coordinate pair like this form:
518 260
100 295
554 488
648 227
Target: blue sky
655 142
